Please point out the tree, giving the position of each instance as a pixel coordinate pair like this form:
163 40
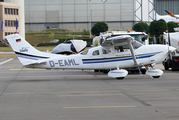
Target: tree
141 27
161 27
157 27
99 27
171 26
152 28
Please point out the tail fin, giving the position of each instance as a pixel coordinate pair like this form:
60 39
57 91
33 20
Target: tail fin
26 53
172 15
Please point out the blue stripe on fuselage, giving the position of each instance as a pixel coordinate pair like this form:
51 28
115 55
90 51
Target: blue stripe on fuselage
115 60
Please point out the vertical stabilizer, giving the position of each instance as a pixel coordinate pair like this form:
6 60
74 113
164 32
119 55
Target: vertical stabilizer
26 53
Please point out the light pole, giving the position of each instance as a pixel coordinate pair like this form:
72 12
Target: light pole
90 17
104 9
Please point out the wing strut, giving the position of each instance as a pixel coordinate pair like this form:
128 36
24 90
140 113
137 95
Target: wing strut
132 52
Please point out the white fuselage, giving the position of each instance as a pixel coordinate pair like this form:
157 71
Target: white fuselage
145 55
167 18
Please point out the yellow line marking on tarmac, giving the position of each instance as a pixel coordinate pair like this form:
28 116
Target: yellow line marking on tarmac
19 93
100 107
87 95
108 91
84 91
90 92
145 90
27 69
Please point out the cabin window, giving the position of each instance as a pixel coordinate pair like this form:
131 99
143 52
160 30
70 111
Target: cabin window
96 52
122 48
106 50
84 52
119 48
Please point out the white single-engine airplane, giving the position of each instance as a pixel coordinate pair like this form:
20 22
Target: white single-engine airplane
168 18
114 53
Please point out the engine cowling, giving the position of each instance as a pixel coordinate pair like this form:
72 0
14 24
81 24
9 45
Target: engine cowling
118 74
155 73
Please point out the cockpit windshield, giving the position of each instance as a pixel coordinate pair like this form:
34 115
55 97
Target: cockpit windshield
138 38
136 44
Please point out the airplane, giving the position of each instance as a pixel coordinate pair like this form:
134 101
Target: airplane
114 54
69 47
168 18
172 15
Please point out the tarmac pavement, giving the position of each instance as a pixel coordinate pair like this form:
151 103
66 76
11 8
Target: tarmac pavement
38 94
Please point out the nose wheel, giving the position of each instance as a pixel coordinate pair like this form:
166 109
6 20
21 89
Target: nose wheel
154 73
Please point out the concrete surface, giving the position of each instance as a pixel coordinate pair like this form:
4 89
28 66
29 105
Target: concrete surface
27 94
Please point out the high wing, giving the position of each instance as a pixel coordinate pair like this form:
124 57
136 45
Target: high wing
172 15
120 40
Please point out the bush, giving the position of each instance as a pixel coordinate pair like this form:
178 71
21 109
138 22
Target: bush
47 44
99 27
61 40
141 27
157 27
3 45
85 32
171 26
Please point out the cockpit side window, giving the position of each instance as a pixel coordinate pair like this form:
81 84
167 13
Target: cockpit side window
96 52
122 48
84 52
106 50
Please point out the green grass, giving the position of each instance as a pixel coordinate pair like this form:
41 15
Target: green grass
36 37
45 36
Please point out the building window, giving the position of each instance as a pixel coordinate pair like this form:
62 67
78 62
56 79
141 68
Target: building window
6 23
16 11
14 23
5 10
8 11
11 11
5 33
9 23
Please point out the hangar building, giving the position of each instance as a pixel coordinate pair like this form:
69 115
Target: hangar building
79 14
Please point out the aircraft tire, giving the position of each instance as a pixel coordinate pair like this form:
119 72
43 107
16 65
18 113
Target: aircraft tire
143 71
96 70
105 71
155 76
120 78
166 66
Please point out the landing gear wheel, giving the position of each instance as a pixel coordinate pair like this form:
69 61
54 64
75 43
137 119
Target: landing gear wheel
96 70
143 71
105 71
120 78
155 76
166 66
